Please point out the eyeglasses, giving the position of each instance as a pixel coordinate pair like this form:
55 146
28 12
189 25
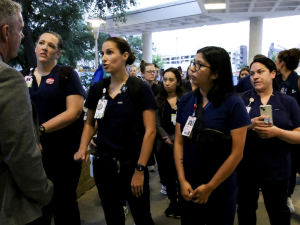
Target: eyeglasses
151 71
197 65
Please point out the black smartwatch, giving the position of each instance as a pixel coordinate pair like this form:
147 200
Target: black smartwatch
140 167
42 130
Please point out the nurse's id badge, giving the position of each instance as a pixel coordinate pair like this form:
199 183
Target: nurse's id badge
100 109
28 80
187 130
173 119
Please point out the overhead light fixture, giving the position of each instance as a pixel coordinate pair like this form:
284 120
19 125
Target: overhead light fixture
215 6
96 22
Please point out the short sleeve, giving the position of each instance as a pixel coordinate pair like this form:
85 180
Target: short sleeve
74 86
92 98
295 112
238 116
148 99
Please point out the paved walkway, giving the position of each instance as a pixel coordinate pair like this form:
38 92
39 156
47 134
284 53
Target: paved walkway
92 213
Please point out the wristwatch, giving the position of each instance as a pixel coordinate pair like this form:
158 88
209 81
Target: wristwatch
42 130
140 167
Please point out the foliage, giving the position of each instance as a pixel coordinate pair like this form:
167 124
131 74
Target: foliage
66 17
158 59
241 66
136 44
274 56
87 80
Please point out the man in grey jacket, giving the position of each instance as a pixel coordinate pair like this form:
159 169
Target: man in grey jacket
24 188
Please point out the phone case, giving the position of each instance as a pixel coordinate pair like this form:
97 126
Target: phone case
266 110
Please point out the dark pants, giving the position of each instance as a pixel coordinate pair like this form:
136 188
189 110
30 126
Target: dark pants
219 210
295 168
114 188
275 199
64 172
168 173
46 218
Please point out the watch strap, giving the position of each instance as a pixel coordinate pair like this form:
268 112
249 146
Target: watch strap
140 167
42 130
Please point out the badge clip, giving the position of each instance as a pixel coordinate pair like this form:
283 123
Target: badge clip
123 88
103 91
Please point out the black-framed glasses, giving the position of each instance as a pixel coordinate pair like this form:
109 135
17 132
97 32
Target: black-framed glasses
197 65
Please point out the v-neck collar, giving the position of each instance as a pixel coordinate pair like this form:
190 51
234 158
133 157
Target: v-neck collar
126 84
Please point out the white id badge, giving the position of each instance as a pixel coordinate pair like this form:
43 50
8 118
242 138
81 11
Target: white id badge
187 130
28 80
100 109
248 109
173 119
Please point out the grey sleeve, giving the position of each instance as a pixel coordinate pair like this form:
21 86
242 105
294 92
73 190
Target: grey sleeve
159 128
18 138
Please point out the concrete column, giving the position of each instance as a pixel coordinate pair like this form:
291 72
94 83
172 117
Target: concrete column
147 46
255 39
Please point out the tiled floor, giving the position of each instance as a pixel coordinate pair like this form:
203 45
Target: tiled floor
92 213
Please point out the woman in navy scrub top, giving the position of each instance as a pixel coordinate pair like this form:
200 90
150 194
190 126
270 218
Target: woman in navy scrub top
171 91
289 83
210 200
123 151
267 161
58 108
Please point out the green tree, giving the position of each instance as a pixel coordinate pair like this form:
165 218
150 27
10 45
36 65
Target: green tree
66 17
241 66
274 56
87 80
136 44
158 59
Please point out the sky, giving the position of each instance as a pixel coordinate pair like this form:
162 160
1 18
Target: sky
281 31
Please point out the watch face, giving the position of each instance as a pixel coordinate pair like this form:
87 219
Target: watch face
139 167
42 128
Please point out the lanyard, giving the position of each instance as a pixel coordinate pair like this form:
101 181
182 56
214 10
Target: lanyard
195 106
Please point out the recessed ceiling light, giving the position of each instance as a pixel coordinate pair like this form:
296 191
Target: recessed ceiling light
215 6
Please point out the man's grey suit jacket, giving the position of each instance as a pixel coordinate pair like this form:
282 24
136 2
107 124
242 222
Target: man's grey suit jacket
24 188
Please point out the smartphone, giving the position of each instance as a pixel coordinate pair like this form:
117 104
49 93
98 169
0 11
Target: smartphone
266 110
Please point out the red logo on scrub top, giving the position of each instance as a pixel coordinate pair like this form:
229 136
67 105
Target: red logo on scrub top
50 81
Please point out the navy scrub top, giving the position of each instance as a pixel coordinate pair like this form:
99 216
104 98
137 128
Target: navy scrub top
269 159
229 115
50 101
117 134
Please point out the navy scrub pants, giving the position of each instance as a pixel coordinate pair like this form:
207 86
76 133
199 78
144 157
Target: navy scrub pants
64 172
275 199
295 168
114 188
168 173
219 210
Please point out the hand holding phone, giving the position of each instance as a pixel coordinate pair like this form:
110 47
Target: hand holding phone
266 110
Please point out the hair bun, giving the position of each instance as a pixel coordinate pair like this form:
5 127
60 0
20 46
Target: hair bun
131 58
